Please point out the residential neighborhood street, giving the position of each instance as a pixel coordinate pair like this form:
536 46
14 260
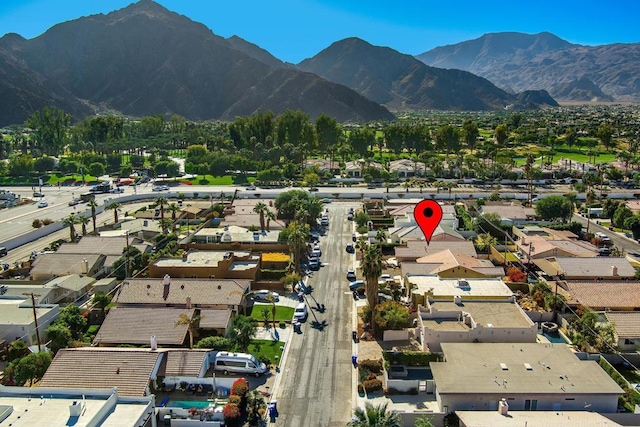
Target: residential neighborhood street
316 387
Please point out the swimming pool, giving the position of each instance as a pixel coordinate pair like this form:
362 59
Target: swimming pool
553 338
420 374
188 404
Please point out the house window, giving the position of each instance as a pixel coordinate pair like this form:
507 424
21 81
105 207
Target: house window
628 341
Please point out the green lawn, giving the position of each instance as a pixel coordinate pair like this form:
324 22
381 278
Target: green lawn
52 179
283 313
269 349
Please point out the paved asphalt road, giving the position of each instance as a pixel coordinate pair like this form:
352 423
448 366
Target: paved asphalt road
316 386
623 243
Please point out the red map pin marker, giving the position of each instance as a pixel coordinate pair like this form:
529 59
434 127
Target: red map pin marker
428 214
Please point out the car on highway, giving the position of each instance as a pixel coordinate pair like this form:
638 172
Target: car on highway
350 248
314 264
3 251
43 204
266 296
161 187
351 275
117 190
350 216
326 200
313 189
74 202
37 194
251 188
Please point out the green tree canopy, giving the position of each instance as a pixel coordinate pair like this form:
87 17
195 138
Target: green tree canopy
242 331
215 343
554 208
59 336
71 317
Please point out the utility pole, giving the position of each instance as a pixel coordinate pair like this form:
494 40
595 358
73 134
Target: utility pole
126 266
35 316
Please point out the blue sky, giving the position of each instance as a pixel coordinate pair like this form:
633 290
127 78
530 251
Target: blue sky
296 29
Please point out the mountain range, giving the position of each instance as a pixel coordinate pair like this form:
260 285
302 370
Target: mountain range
146 60
571 72
401 82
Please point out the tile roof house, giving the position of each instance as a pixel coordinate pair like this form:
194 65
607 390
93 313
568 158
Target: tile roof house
531 376
603 295
184 293
540 247
452 264
598 268
627 327
130 370
406 168
323 165
241 214
513 213
110 247
185 363
136 325
49 266
353 169
415 249
406 234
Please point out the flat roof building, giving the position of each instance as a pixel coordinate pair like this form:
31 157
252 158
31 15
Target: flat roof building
80 407
546 377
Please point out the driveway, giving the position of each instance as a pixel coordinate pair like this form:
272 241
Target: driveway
316 385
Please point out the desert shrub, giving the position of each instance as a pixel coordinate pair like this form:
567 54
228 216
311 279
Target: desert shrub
374 366
372 385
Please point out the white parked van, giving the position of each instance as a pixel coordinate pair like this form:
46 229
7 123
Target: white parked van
239 363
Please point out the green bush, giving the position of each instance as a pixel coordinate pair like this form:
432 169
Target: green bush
273 274
374 366
409 358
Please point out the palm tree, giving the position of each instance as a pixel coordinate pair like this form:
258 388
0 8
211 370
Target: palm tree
362 244
93 205
381 237
174 209
271 216
192 325
84 221
375 416
115 206
161 201
371 265
572 198
261 209
296 240
69 222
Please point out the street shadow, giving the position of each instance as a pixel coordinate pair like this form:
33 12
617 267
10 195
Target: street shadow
319 325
